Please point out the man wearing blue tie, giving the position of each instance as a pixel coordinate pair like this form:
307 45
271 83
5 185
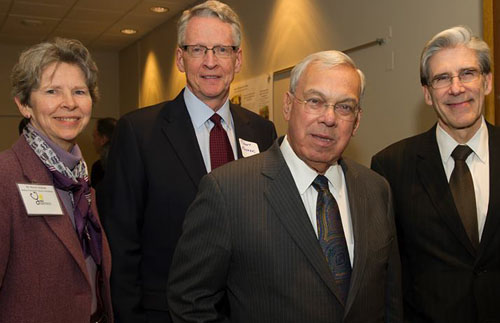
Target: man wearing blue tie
297 233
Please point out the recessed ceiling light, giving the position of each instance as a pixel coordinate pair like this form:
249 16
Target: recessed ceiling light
128 31
159 9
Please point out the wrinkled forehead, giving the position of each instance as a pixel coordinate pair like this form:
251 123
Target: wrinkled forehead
331 81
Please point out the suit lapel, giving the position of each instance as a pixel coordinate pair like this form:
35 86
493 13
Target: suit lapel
431 173
357 204
285 200
178 128
37 173
242 127
492 223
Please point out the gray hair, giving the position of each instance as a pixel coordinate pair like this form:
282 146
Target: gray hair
327 59
211 8
27 73
450 38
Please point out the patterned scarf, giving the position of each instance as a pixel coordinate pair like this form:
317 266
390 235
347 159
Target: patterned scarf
75 181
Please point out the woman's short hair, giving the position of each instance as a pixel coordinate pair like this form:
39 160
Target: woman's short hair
27 73
211 8
450 38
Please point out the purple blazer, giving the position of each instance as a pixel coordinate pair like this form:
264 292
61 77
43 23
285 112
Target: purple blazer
43 276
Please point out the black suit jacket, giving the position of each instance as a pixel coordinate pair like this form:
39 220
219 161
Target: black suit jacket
249 253
153 171
444 278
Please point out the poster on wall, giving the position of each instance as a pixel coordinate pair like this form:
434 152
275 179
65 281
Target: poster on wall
254 94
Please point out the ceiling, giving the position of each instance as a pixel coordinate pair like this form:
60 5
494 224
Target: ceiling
96 23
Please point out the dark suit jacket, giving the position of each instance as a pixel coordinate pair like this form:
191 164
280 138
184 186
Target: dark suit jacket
249 249
96 173
444 278
154 167
43 275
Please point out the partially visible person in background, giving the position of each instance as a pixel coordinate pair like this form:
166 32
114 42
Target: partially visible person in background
22 124
101 138
54 257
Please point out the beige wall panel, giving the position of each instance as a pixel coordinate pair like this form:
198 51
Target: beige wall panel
278 33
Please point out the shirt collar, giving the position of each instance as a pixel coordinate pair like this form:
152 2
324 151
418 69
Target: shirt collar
304 175
201 112
478 143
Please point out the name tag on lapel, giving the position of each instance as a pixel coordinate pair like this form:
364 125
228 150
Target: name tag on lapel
248 148
40 200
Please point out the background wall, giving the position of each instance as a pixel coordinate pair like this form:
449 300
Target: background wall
108 106
279 33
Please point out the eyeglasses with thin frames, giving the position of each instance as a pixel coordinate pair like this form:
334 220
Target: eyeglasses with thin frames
442 81
197 51
317 106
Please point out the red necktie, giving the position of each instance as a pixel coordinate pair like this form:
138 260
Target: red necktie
220 148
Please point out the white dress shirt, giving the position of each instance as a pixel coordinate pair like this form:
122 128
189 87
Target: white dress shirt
200 114
304 176
478 162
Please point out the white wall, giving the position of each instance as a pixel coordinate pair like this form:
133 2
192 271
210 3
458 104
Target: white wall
108 106
279 33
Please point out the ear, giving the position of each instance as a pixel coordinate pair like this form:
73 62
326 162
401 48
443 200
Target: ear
427 94
25 110
287 105
103 140
356 123
239 60
179 60
488 83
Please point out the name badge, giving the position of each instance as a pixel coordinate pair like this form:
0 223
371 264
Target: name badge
248 148
40 200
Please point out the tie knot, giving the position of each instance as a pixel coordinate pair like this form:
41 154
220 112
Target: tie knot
320 183
215 118
461 152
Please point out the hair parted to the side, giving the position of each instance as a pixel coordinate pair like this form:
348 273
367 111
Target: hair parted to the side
450 38
27 72
211 8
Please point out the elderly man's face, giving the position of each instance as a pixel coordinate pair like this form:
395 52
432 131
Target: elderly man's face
209 76
319 140
458 106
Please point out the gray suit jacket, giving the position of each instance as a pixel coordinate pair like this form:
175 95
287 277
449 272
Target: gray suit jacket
249 253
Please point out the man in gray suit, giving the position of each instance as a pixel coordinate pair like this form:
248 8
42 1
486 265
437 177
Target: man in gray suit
297 233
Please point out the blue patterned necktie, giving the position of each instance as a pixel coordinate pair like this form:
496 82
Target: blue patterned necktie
331 236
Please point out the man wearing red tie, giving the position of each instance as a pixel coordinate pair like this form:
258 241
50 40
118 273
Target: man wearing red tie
159 154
